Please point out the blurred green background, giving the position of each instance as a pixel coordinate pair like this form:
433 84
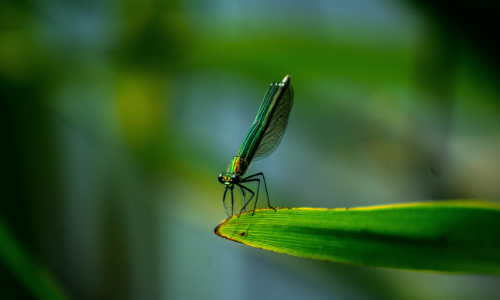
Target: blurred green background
116 118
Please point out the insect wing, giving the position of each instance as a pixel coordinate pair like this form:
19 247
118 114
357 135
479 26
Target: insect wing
279 120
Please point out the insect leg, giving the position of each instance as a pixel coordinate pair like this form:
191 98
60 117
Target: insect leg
244 197
265 185
258 189
253 194
224 202
232 200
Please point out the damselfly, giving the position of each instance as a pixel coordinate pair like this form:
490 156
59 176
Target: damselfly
262 139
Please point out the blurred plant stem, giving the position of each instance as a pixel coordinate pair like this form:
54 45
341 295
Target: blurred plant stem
436 67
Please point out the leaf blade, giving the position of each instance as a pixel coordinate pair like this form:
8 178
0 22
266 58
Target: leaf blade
451 236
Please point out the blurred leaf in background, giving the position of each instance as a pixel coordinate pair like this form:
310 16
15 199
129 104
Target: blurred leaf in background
117 116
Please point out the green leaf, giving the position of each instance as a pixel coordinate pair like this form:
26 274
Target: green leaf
36 278
451 236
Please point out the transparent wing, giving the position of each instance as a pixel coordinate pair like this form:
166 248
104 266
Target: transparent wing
277 126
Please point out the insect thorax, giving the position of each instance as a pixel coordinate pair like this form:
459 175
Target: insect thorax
238 165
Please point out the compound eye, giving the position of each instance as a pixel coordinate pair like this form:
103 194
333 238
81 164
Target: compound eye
221 177
235 178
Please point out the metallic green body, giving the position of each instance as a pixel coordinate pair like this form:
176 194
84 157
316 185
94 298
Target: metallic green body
266 124
263 138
